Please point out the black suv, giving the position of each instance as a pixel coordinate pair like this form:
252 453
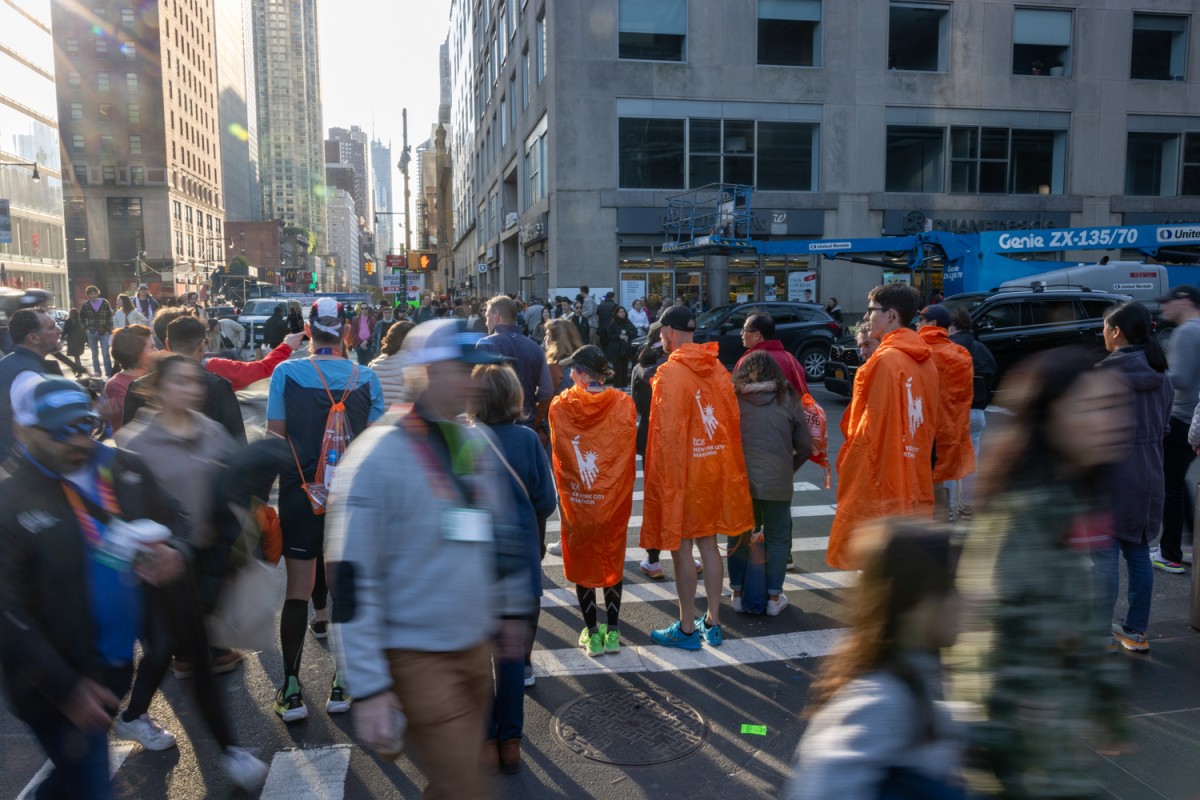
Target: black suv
805 329
1012 323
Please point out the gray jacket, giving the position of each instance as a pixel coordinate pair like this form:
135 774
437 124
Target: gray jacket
400 583
1183 356
775 440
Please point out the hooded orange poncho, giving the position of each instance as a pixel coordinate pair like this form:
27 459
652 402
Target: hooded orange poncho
593 438
956 392
885 464
696 482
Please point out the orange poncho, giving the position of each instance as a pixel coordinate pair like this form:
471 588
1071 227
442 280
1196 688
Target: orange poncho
956 391
696 482
593 438
884 466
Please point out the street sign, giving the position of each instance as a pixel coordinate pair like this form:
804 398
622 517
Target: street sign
396 261
482 268
392 284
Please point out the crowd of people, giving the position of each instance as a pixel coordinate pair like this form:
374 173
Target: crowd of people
475 422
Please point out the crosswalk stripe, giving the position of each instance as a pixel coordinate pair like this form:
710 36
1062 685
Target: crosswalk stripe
316 773
801 486
117 753
656 591
807 544
654 658
635 522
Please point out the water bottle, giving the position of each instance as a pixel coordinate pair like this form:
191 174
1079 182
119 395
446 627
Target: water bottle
331 459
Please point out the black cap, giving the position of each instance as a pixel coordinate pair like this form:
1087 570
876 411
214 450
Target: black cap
590 357
1184 292
678 317
937 315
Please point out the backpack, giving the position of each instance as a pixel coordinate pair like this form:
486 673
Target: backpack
819 431
333 446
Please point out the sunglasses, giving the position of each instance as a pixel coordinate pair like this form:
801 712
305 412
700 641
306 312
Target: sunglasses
86 428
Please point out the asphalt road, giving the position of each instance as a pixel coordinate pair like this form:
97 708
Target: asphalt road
690 707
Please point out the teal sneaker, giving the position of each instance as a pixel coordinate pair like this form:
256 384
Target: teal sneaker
675 637
612 641
710 633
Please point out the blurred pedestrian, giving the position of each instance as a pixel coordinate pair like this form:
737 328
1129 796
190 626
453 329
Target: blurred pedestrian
639 317
390 364
133 351
1029 658
96 317
35 337
505 339
387 317
953 454
619 338
1134 485
275 328
75 336
834 310
408 645
963 491
145 302
581 322
878 726
758 334
498 404
776 442
649 360
359 333
539 328
126 314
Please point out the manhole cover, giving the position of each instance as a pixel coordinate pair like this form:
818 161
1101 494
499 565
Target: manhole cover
630 727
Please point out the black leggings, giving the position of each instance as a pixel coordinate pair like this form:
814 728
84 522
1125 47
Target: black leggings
175 625
612 605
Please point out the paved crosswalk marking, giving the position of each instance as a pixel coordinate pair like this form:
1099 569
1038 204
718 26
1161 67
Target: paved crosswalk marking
655 592
801 486
809 544
654 658
797 511
317 773
117 753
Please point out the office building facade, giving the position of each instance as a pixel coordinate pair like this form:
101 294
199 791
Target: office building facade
381 178
344 242
237 111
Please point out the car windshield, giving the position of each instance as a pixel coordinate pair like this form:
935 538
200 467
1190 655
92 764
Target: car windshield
260 308
710 318
968 301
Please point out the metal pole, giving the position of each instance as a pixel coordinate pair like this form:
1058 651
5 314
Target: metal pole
404 159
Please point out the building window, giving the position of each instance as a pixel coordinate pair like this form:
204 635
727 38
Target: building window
789 33
135 145
76 110
101 46
106 145
918 36
74 80
1159 50
1162 164
721 151
77 143
178 209
525 78
787 156
535 166
541 48
127 18
1004 161
512 93
916 159
104 112
72 47
108 175
79 245
102 81
81 174
187 214
503 121
1190 185
129 51
652 31
131 81
179 242
651 153
1041 42
134 111
137 176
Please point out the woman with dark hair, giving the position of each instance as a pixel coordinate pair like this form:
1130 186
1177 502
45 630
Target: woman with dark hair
621 333
133 353
539 330
876 717
76 337
1135 485
389 366
1029 657
776 442
294 322
500 402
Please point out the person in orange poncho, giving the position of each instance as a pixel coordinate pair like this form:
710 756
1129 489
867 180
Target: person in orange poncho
593 435
696 484
954 455
884 468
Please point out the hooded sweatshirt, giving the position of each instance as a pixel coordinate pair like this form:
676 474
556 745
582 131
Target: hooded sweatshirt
885 466
792 370
775 439
1135 485
956 391
696 484
592 437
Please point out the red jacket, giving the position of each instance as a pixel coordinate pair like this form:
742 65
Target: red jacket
792 370
243 373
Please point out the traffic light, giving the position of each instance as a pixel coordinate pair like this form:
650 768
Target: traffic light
313 285
427 261
369 267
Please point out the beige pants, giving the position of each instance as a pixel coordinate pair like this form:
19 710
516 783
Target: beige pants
446 697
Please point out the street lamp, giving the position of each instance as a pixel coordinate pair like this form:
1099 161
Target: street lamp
37 176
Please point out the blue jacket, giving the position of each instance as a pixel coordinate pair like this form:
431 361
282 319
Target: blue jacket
524 451
1134 486
21 359
529 362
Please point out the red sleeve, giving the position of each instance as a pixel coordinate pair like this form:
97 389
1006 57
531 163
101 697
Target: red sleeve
243 373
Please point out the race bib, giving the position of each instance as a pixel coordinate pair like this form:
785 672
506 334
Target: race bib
467 525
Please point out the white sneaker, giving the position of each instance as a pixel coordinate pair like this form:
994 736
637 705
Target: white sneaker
555 548
146 731
654 570
530 678
775 606
246 771
736 601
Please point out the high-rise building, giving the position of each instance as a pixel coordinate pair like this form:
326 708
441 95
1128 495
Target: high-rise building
32 246
583 118
137 106
381 175
353 147
288 83
237 111
344 241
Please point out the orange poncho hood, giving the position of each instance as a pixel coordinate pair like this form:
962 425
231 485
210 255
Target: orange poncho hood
956 391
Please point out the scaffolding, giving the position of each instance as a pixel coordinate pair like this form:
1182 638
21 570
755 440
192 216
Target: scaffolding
716 218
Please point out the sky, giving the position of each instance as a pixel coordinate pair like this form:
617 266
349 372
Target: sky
378 57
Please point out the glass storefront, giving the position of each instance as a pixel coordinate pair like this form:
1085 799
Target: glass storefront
645 272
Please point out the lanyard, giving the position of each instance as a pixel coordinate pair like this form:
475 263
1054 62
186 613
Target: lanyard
108 502
445 484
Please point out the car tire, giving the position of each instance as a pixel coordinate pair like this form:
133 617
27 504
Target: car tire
814 358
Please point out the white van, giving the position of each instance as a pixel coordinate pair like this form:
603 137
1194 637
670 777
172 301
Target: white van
258 310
